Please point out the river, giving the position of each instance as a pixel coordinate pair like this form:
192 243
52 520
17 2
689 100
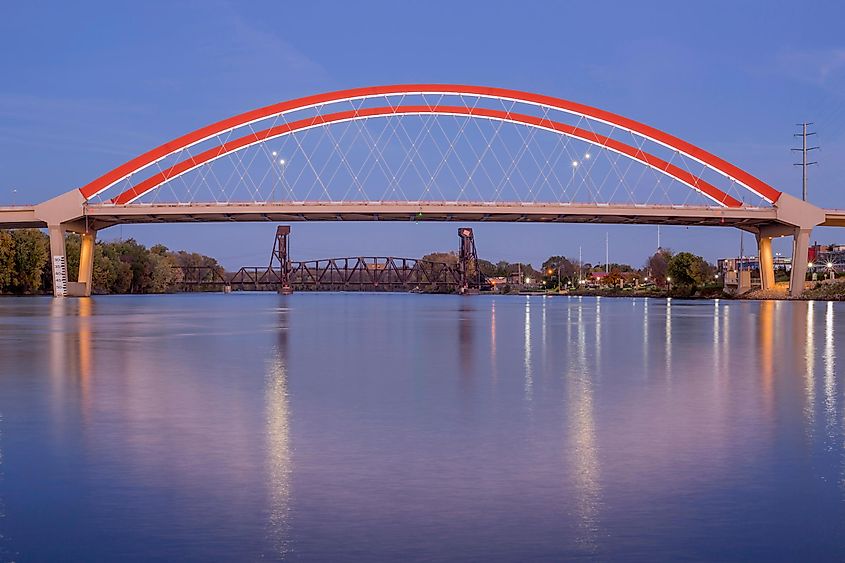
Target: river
417 427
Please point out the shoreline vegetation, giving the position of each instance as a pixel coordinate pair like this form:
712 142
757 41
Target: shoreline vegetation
128 267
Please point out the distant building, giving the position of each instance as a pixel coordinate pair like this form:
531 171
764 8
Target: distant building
751 263
821 257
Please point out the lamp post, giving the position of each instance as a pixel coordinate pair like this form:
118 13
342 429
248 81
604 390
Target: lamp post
668 284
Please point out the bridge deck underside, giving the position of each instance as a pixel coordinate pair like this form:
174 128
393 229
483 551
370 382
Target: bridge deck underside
102 216
749 218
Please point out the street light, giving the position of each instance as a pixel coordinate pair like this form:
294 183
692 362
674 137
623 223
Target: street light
281 173
669 284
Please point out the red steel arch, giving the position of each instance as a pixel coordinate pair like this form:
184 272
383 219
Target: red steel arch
710 160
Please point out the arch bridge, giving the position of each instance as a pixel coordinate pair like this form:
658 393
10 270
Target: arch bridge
426 152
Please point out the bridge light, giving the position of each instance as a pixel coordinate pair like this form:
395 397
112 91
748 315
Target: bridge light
587 156
574 164
282 161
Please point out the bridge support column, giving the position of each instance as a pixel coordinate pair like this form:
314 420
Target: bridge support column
82 288
800 245
767 263
58 260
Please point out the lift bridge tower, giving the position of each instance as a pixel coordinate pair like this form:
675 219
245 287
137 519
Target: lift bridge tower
470 273
281 256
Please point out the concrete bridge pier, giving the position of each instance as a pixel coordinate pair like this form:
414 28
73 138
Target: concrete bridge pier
800 246
83 285
767 263
62 286
58 260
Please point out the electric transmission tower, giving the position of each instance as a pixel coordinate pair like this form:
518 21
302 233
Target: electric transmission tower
805 151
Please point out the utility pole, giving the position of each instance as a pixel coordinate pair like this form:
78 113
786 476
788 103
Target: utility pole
805 150
580 266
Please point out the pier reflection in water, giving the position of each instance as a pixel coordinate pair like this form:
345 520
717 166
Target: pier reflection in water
394 426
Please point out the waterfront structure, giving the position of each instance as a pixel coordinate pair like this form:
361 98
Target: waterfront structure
468 132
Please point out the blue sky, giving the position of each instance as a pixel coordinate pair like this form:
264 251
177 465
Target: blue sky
89 85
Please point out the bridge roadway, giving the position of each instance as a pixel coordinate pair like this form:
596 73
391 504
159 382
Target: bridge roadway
100 216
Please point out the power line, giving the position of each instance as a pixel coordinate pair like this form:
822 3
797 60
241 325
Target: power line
805 150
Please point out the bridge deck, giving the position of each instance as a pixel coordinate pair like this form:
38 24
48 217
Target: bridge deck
19 217
834 218
104 214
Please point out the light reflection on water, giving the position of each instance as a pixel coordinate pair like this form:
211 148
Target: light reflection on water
278 444
416 427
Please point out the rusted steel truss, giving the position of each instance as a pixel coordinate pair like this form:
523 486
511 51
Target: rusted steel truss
360 273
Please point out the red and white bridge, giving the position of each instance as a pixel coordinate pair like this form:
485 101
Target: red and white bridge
426 152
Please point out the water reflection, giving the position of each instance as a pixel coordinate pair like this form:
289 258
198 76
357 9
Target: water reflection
580 427
493 361
4 541
278 442
810 365
466 345
192 425
84 352
529 374
829 376
645 335
717 344
668 337
766 347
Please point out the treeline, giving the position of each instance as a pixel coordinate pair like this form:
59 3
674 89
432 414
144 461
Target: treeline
684 269
126 266
123 266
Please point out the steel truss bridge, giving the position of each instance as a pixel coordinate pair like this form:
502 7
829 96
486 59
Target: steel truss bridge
426 152
357 273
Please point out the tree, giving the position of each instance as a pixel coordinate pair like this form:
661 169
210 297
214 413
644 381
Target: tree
7 260
450 258
613 278
31 256
687 269
657 265
553 265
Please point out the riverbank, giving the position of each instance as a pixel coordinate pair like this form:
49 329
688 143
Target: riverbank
822 291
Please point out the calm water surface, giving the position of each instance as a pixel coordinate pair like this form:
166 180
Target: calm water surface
388 427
